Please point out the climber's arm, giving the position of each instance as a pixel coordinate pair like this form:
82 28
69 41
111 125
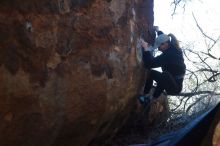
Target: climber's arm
153 62
159 32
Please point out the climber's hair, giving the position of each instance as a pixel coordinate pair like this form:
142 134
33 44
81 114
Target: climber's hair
174 41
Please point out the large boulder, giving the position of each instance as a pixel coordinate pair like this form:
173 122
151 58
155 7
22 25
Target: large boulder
216 136
212 137
69 69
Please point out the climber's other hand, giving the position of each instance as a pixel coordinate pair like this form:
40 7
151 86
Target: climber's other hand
156 28
144 45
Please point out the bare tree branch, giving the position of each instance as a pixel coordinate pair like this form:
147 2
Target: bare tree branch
176 4
195 102
187 94
201 30
210 55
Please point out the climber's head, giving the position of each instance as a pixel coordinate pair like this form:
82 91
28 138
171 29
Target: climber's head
162 42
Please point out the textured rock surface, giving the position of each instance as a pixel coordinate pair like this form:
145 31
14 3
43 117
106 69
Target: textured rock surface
213 135
216 136
69 69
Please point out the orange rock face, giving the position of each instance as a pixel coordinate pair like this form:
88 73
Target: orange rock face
216 136
69 69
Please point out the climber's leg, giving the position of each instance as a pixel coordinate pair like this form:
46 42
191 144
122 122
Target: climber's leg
168 83
173 87
153 75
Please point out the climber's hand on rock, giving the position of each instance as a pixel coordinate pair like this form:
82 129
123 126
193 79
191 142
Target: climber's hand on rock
156 28
144 45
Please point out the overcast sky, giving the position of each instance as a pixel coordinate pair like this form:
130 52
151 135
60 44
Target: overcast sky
207 13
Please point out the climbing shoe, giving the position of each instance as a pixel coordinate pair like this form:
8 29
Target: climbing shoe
144 100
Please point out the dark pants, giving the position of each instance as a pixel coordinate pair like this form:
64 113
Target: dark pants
165 81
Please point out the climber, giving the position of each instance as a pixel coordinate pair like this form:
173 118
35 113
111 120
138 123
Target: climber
172 63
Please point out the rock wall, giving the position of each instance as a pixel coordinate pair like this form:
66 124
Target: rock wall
212 137
69 69
216 136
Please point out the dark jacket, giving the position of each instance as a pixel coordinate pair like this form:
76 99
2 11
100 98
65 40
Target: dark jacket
171 60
